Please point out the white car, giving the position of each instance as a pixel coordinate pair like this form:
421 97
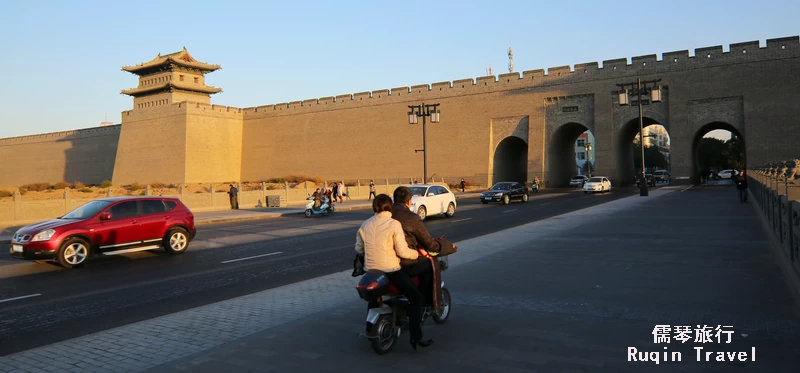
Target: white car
727 174
597 184
432 199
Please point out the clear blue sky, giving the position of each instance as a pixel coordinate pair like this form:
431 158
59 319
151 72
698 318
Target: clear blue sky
61 61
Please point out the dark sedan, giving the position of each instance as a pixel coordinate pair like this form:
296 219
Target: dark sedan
504 192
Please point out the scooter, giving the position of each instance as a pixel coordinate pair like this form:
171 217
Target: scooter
324 208
387 314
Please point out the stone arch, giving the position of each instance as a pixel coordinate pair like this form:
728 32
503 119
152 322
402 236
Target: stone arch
702 131
627 132
561 153
510 161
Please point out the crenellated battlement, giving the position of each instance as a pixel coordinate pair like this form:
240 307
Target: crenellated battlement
745 52
183 107
85 132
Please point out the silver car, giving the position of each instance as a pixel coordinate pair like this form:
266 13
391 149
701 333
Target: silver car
578 181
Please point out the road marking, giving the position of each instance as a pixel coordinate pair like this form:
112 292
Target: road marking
690 187
251 257
509 211
22 297
456 221
546 203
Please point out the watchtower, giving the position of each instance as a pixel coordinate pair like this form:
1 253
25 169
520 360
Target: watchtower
171 78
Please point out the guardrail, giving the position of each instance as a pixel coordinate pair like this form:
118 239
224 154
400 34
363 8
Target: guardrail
775 187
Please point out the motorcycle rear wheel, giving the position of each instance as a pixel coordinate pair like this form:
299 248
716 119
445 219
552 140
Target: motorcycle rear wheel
444 309
383 335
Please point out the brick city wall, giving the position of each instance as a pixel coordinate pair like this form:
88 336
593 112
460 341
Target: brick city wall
748 89
85 155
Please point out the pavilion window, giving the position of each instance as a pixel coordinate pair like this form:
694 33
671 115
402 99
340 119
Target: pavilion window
181 77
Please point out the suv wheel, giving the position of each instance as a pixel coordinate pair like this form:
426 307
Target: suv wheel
176 241
505 199
422 212
525 197
451 210
73 252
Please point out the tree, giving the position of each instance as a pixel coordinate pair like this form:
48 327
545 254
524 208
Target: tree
716 154
585 169
653 158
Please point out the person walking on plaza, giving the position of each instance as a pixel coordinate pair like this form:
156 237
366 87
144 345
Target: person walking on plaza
341 192
463 184
233 193
371 190
741 185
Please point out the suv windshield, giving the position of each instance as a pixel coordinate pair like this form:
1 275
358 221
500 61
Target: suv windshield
418 191
596 180
86 211
577 178
501 186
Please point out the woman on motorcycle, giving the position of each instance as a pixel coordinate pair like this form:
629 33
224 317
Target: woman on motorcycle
382 241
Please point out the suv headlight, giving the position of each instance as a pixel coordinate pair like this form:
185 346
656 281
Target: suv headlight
43 235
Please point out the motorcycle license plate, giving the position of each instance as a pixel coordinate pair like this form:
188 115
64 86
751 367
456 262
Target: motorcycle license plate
16 248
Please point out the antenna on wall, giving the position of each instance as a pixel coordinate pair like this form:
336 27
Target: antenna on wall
510 59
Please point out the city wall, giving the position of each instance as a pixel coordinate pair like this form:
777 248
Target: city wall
85 155
748 89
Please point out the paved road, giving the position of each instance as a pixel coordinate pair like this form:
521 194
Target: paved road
225 261
570 295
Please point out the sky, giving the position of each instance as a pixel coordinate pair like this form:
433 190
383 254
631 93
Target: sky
61 65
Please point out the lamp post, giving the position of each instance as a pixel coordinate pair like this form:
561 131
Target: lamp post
655 96
588 148
424 111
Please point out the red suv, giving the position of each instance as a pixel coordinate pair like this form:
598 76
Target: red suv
108 226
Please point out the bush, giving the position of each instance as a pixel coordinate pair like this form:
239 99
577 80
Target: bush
86 190
106 184
61 185
134 187
172 186
78 185
36 187
157 185
144 192
4 193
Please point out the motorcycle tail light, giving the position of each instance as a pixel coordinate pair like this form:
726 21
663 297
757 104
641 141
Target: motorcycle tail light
372 286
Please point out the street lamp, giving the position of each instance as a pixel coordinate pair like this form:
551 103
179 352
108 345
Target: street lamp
424 111
588 148
655 96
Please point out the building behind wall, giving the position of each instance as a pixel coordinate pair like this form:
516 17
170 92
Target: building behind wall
581 155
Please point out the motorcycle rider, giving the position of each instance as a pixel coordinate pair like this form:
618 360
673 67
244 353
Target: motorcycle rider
317 199
417 237
382 241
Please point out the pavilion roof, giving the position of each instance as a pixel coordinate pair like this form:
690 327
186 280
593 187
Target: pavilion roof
180 58
171 85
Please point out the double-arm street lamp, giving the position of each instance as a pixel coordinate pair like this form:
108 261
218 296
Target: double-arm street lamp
655 96
423 111
588 148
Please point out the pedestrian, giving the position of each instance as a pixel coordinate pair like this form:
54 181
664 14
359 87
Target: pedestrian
335 192
371 190
463 184
233 193
741 185
341 192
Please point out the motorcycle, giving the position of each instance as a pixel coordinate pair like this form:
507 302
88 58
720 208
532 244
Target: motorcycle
324 208
387 314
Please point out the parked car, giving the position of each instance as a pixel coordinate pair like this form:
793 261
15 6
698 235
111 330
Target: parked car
727 174
650 180
430 199
107 226
597 184
504 192
578 181
661 176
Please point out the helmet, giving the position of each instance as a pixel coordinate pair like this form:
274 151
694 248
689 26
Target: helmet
373 285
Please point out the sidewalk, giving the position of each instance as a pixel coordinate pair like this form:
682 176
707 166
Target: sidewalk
222 216
569 293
